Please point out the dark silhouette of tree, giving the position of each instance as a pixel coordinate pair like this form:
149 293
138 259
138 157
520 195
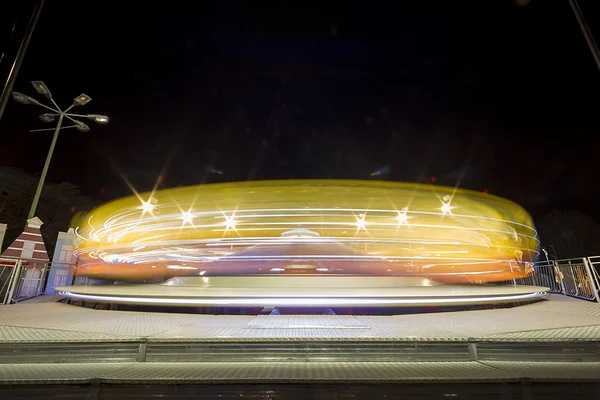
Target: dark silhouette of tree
56 208
572 233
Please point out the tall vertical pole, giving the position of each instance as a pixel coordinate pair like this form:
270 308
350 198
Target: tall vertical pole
589 38
16 65
40 185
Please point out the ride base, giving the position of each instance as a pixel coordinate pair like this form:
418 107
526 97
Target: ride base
304 291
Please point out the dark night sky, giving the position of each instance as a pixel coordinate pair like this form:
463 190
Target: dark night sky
267 90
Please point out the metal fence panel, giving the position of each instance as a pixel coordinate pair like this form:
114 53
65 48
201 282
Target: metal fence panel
575 277
8 269
594 266
24 279
30 281
544 275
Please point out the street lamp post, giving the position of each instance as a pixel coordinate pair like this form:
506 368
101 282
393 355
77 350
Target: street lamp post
587 34
80 100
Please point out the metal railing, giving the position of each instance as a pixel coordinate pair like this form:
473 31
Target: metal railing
574 277
7 272
594 264
543 275
21 279
31 281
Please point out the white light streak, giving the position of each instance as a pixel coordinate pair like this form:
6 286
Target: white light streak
180 267
302 301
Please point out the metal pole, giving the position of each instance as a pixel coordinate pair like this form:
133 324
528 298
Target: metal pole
589 38
38 191
16 65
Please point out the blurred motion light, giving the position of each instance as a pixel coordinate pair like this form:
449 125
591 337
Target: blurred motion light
23 98
100 119
307 224
82 100
47 117
41 88
180 267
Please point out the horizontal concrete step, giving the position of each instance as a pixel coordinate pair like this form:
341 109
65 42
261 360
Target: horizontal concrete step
371 373
168 351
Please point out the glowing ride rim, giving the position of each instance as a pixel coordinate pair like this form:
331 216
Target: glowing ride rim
304 291
303 301
344 227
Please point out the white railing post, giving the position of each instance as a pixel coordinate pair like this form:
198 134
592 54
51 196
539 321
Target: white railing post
594 270
593 283
40 289
11 277
13 282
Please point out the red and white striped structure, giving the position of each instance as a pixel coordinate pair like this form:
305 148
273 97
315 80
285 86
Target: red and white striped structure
29 245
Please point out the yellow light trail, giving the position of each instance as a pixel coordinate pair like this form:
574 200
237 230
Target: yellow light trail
350 227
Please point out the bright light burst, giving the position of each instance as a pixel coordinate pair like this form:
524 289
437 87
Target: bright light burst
187 217
230 222
360 222
446 208
147 207
403 217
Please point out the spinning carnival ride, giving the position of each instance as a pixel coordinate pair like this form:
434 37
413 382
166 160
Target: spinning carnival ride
308 242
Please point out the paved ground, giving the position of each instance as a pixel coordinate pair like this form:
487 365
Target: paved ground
26 329
557 318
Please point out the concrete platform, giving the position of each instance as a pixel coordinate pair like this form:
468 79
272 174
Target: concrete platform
48 342
558 318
